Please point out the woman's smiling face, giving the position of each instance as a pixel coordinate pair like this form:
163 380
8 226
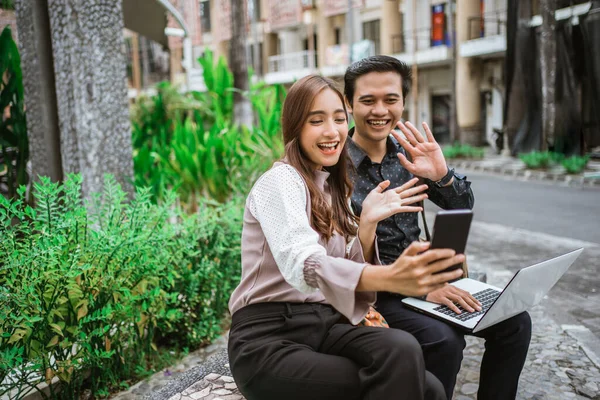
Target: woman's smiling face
325 130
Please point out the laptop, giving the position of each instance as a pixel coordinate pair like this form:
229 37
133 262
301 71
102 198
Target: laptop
526 289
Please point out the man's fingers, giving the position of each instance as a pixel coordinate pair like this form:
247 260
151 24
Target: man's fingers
466 296
448 303
406 145
410 167
408 134
461 301
428 132
472 302
415 132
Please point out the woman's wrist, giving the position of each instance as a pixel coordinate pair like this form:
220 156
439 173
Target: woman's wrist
373 279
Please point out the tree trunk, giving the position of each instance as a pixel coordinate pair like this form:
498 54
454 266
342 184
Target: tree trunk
75 78
242 109
548 71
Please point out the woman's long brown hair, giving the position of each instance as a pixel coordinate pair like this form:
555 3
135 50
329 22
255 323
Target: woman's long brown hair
325 219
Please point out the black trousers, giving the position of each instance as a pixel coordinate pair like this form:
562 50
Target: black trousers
309 351
506 346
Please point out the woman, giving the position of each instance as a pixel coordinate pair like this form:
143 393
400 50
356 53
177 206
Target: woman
306 284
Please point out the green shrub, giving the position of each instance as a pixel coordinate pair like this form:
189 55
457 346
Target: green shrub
14 146
189 141
458 150
575 164
537 159
545 159
7 4
91 290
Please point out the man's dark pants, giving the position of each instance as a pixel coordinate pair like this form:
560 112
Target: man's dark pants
506 345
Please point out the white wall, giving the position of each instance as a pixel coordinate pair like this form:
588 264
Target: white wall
423 21
291 41
431 82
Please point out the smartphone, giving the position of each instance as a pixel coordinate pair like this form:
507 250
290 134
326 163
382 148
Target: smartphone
450 231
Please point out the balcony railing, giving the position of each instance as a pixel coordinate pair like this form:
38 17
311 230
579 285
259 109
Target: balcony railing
403 42
488 24
292 61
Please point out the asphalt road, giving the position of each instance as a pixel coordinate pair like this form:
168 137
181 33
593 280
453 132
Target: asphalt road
538 206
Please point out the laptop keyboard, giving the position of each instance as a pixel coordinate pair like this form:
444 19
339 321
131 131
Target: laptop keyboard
486 298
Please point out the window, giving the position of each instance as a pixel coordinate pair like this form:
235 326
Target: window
205 16
338 36
371 32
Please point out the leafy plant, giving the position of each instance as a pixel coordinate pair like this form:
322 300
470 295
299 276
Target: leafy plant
458 150
543 159
7 4
575 164
88 293
537 159
14 146
189 141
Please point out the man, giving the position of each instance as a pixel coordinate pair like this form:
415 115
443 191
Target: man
375 91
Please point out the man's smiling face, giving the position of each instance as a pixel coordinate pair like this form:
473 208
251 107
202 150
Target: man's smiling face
377 105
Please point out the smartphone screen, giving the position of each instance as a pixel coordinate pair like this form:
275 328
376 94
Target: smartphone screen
450 231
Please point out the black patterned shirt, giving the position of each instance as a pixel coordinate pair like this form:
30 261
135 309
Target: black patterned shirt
397 232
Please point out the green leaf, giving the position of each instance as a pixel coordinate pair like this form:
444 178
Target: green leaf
53 341
56 328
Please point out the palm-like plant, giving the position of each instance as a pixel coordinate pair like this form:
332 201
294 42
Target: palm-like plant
190 141
14 146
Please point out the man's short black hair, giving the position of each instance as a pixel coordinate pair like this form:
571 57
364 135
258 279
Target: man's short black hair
376 64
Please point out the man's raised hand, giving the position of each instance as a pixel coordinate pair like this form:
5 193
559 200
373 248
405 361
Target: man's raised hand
427 159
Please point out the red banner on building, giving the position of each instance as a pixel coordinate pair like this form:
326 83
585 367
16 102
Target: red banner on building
284 13
438 25
336 7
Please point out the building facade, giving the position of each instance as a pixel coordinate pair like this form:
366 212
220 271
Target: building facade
460 42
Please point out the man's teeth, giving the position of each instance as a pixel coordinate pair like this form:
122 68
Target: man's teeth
379 123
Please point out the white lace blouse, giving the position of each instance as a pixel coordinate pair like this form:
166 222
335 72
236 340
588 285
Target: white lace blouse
283 257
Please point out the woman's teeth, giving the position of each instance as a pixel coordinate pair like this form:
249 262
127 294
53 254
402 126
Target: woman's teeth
328 146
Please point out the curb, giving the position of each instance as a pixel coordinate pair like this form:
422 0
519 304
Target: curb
527 174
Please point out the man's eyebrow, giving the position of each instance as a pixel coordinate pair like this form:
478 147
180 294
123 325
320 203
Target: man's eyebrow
370 96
